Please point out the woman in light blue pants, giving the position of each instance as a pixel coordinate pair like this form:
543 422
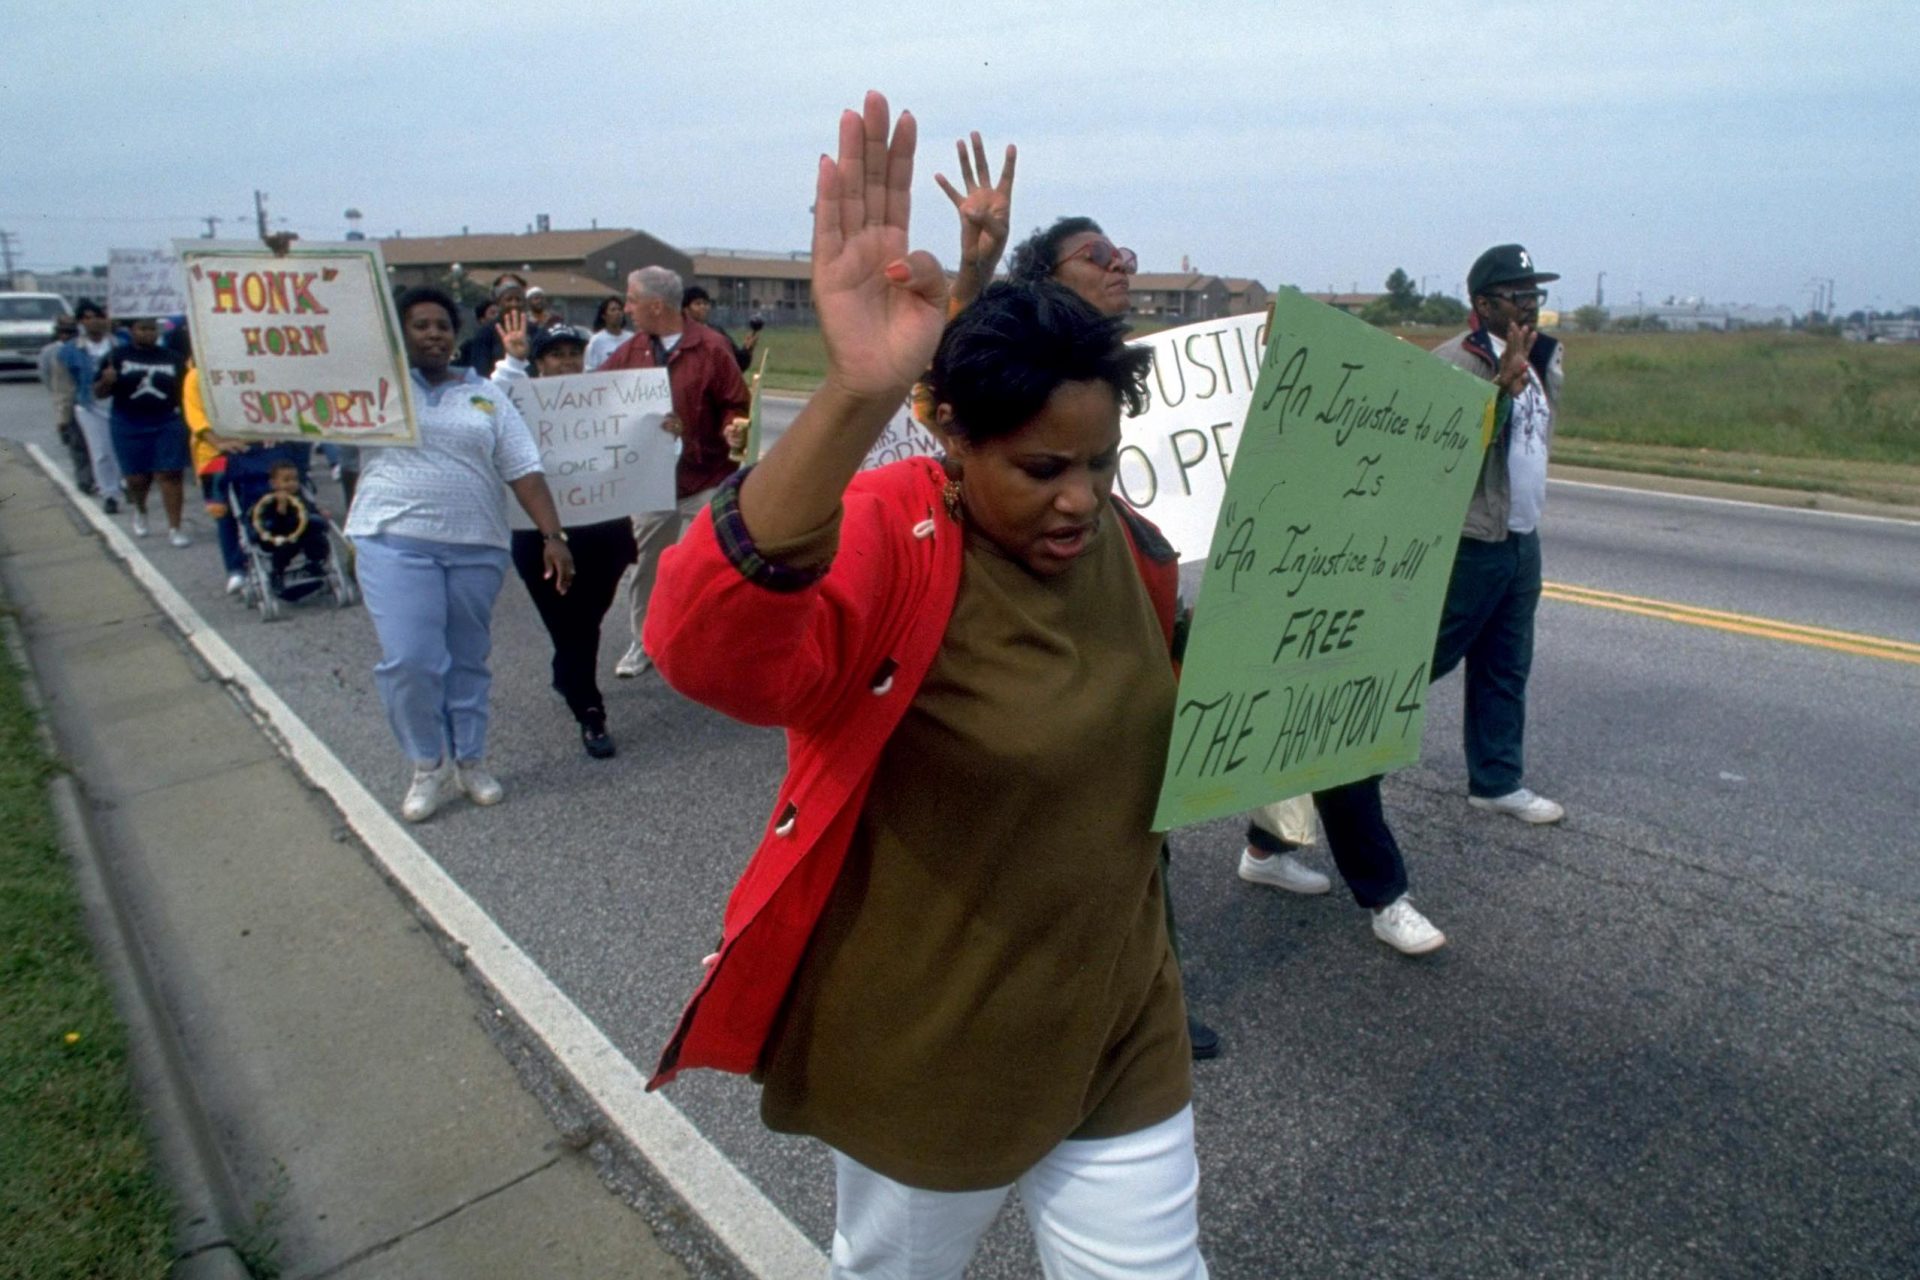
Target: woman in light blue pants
429 524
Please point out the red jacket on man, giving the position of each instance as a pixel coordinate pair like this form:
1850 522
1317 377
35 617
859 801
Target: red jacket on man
708 391
835 661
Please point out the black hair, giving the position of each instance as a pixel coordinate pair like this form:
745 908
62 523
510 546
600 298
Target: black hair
480 309
283 464
411 298
1037 256
87 307
600 314
693 293
505 276
1001 359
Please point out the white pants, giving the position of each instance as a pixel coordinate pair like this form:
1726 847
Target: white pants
97 429
1101 1210
653 533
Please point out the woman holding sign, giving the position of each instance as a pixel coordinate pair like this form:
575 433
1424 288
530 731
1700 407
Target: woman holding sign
948 958
429 525
601 550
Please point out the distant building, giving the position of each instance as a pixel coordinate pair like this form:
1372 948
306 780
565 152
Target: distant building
1179 297
70 285
776 286
1245 296
1694 316
576 268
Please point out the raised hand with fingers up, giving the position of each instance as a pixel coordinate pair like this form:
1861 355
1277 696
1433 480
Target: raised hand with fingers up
986 216
881 308
513 334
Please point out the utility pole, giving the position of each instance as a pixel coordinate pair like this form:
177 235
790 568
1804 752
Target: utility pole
1600 290
260 211
7 239
213 226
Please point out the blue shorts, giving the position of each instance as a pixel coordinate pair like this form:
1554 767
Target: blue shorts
143 450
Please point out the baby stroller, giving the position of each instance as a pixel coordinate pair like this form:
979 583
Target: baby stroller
293 551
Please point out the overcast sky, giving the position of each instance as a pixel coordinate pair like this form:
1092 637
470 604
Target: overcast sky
1729 151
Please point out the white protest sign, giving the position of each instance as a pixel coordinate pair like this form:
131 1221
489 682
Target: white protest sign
1174 457
903 438
600 442
144 282
304 344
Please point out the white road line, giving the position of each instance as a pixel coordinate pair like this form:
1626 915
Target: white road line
1737 502
752 1227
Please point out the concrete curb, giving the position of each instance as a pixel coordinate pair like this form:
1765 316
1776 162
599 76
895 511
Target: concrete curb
206 1203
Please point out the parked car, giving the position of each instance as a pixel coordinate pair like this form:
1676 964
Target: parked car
26 325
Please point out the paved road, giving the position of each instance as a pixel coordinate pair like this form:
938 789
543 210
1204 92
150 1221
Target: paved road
1677 1036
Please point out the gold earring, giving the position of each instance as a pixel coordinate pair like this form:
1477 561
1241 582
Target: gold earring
950 498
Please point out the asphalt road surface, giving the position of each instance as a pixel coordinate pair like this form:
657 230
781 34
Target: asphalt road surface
1678 1035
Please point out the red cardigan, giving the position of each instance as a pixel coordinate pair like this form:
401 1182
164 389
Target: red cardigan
835 662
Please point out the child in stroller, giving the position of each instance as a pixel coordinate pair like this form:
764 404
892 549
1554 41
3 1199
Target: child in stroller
288 537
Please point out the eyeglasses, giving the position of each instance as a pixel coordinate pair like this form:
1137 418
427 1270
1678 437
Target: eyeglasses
1106 256
1520 297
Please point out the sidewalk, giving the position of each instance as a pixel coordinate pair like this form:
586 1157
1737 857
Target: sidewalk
338 1107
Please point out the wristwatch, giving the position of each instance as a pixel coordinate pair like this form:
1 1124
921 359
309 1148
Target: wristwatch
558 535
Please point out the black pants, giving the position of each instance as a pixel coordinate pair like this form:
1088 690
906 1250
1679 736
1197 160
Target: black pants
77 455
1362 844
601 553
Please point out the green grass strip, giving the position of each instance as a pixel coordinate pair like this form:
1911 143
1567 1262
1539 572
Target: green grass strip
79 1196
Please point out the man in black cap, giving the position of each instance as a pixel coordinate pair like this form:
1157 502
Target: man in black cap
1495 588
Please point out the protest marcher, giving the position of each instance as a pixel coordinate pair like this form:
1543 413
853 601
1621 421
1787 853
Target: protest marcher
210 453
1495 588
697 304
83 357
601 552
540 312
610 332
708 394
948 959
483 350
141 383
429 527
58 380
1076 253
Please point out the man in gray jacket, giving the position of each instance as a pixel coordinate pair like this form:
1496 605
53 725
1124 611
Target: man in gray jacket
1495 588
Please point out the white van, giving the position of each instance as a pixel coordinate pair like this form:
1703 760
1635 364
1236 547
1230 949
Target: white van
26 325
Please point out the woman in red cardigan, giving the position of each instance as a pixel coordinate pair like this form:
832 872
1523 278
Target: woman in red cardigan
948 958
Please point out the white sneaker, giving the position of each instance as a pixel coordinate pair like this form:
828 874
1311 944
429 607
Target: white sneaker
178 537
481 787
1521 804
139 523
633 662
429 789
1282 871
1402 927
236 583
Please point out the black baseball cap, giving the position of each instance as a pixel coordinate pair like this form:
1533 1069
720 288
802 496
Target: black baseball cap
1505 264
556 335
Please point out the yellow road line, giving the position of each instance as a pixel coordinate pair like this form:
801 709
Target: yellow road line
1739 623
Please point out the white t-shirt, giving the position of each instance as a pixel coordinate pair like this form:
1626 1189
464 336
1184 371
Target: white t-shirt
1526 450
603 344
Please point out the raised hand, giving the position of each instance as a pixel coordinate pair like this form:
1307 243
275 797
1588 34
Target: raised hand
513 334
880 306
985 208
1512 373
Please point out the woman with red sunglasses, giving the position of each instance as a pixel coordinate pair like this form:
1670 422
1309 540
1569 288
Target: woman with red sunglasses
1076 253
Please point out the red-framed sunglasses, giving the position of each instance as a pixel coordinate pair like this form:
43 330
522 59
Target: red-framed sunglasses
1105 255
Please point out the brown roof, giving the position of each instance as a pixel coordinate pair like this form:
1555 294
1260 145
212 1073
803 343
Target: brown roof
569 284
1240 284
1173 281
753 267
539 246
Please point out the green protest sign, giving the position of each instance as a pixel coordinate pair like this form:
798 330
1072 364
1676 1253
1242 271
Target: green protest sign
1307 662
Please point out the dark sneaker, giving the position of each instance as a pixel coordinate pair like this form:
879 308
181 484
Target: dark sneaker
594 736
1206 1044
111 506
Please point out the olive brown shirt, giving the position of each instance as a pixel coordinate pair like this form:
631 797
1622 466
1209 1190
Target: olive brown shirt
991 974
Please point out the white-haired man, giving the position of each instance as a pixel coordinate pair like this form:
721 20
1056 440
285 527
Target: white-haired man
708 394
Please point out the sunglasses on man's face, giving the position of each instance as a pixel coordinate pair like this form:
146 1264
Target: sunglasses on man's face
1520 297
1106 256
